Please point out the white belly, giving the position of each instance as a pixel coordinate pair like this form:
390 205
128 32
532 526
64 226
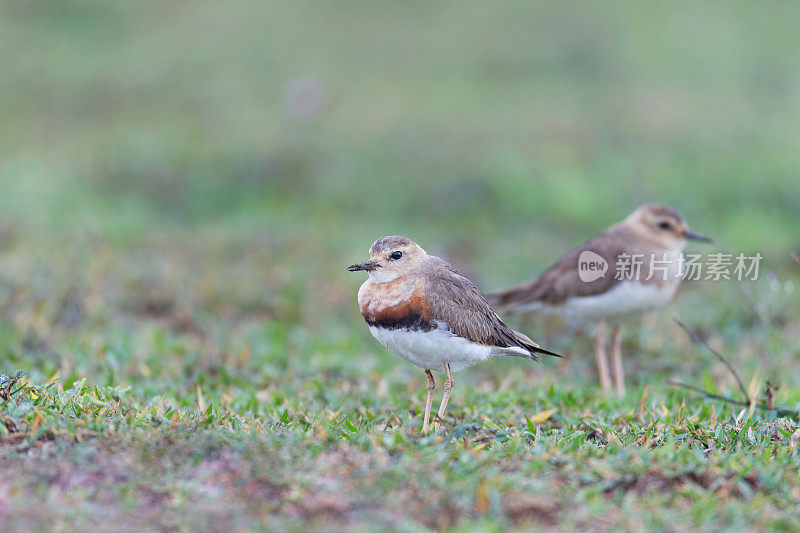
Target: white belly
431 349
626 300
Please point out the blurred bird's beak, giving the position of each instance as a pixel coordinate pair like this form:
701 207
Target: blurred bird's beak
694 236
366 265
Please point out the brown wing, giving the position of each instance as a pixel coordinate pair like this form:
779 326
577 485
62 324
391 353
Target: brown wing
457 301
562 280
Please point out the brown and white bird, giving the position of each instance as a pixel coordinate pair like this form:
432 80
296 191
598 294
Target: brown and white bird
418 307
632 267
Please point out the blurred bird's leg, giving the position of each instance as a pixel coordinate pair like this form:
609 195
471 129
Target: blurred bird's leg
449 383
616 360
602 360
428 402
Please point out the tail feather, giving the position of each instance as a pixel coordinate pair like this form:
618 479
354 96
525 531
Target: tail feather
521 345
526 342
506 300
496 299
527 353
548 352
512 341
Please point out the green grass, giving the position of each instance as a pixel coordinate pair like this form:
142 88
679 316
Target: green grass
173 243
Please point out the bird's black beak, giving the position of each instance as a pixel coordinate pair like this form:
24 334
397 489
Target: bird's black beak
366 265
694 236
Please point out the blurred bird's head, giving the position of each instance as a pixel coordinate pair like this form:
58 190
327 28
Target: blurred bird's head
664 225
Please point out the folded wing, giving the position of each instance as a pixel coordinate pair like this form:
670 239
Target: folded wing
457 301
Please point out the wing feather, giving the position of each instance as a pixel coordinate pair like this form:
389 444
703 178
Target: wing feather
455 300
562 280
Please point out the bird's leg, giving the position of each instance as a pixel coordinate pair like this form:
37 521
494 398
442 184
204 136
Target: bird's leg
602 360
428 402
616 360
449 383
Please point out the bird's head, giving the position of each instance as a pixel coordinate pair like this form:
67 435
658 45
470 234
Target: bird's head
390 258
664 225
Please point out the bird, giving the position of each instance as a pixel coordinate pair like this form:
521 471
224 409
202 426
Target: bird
423 311
632 267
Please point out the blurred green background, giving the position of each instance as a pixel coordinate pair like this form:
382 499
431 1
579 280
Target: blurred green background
230 159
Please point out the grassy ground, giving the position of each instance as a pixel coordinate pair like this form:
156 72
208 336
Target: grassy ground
182 185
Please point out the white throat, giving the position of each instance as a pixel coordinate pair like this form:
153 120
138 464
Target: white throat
679 245
382 276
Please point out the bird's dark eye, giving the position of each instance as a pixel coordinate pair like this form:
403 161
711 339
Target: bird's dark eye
396 255
664 225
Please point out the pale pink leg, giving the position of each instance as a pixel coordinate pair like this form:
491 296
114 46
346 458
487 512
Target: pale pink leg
616 360
449 383
602 360
428 402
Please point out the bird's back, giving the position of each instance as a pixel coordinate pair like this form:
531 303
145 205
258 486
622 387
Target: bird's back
456 301
562 280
